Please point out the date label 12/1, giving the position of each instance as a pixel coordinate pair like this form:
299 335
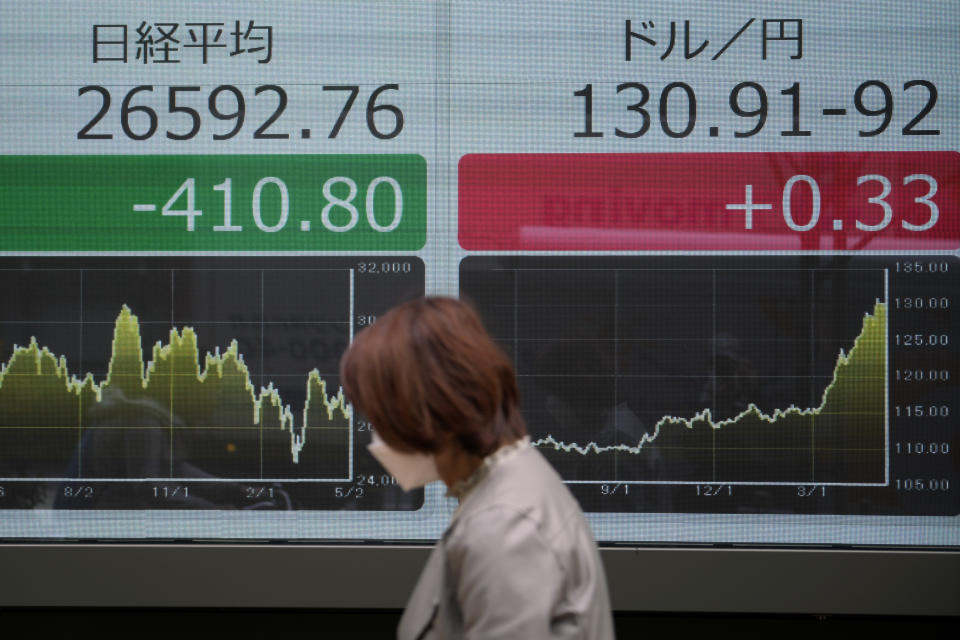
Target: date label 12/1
214 203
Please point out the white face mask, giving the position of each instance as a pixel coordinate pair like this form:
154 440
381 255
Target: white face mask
412 470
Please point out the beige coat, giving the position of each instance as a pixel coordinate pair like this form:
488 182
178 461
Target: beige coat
518 561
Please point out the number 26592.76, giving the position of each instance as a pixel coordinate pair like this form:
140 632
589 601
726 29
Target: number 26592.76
227 103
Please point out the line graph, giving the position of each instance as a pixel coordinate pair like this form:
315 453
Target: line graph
126 370
866 364
59 397
696 370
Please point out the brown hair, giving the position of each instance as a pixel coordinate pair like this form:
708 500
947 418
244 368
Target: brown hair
428 370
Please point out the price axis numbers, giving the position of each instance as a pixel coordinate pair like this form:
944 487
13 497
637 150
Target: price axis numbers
923 383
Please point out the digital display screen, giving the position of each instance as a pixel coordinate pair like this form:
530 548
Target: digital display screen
718 240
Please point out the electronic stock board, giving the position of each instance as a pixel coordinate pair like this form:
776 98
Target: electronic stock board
719 241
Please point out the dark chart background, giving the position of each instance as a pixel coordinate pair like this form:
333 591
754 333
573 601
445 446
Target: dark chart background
606 347
179 443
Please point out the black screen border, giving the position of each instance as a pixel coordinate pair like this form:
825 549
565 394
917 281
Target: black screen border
799 580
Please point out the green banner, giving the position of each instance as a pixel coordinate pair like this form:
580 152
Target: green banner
213 203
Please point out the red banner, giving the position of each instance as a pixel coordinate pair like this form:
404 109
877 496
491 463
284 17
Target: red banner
710 201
